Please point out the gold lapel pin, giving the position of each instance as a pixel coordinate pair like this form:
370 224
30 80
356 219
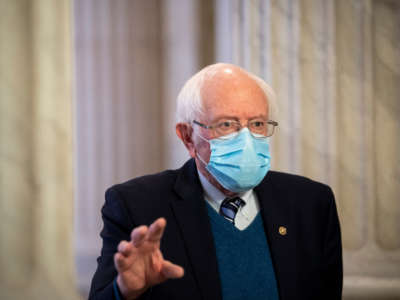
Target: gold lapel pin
282 230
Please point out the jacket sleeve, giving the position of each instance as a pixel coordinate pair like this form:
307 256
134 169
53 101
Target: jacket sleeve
333 273
117 227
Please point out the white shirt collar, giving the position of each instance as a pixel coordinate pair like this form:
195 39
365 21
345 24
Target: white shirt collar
214 196
246 213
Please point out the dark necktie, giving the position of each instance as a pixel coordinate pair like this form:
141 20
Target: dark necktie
230 207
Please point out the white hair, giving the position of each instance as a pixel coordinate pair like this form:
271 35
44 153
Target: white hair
189 102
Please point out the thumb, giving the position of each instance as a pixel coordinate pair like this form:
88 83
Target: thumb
170 270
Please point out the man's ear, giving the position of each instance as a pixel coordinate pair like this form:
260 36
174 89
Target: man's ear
184 132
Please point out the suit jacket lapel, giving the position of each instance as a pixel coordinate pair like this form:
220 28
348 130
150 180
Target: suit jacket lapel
277 212
191 215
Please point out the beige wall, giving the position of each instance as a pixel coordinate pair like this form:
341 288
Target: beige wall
117 113
36 193
131 58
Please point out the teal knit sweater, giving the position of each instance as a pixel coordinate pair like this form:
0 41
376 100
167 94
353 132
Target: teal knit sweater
244 260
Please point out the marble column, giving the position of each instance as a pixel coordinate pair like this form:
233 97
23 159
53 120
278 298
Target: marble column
181 58
117 114
131 59
36 189
187 33
335 68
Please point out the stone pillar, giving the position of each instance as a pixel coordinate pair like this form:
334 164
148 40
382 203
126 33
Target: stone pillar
36 190
118 70
131 59
181 58
335 68
188 45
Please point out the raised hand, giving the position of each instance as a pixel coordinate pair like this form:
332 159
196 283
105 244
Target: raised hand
140 263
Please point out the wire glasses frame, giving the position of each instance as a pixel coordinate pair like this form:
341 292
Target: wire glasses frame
258 128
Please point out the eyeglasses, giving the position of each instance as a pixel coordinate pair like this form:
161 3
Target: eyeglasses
259 128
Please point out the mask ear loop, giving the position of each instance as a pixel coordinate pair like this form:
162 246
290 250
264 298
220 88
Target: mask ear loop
198 155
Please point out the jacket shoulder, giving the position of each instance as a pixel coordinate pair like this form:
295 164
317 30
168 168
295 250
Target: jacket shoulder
148 183
141 200
305 190
157 183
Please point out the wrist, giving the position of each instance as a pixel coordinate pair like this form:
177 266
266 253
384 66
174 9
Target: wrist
126 292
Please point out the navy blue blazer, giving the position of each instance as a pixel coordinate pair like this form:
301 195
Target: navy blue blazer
307 260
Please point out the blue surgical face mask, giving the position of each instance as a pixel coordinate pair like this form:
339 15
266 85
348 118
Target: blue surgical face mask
238 162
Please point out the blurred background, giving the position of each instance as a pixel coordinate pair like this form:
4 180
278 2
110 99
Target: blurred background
87 100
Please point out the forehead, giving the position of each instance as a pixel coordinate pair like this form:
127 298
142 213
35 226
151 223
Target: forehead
232 94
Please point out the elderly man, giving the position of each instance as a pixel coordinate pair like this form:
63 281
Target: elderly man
223 226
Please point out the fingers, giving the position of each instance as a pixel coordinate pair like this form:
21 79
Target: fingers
156 230
142 256
138 235
153 233
170 270
121 262
125 248
121 257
